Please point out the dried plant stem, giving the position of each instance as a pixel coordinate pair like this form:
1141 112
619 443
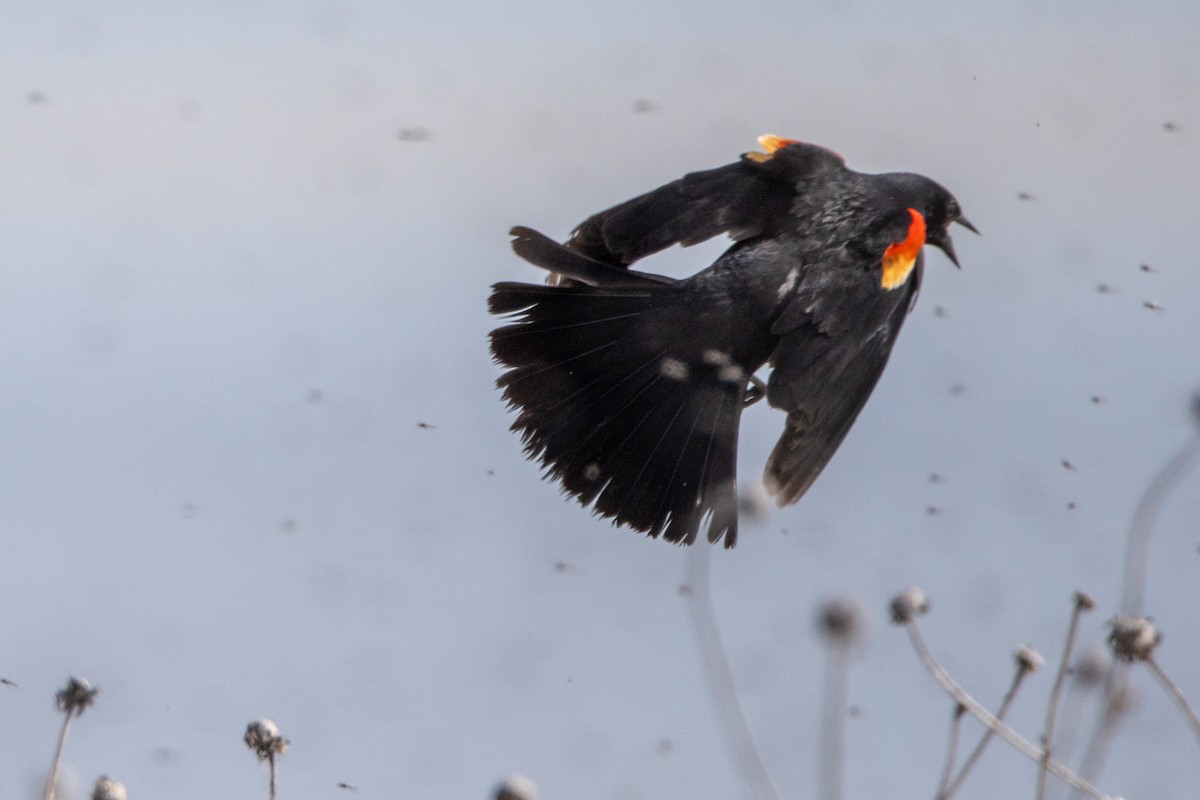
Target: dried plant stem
1055 693
264 740
720 678
1176 695
1069 725
975 755
52 780
1143 522
1116 688
833 721
989 719
952 750
1115 700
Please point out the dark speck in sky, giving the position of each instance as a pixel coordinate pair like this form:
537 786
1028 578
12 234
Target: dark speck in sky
413 135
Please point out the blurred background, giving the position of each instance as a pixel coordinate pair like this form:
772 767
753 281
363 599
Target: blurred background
252 462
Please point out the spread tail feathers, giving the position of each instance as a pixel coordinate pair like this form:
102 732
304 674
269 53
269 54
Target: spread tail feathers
616 410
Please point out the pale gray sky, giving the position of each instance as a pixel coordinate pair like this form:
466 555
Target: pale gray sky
230 291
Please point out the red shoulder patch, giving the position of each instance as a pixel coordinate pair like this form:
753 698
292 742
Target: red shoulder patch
900 257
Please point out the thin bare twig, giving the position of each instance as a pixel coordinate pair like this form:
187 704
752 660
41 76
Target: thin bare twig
833 718
1069 727
1143 522
975 755
839 624
952 751
1082 603
720 678
1176 694
1118 698
989 719
52 780
1117 689
73 699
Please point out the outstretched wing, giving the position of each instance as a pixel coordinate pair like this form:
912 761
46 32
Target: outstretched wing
836 336
744 199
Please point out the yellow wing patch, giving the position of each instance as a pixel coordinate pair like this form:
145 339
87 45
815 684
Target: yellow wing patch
900 257
769 142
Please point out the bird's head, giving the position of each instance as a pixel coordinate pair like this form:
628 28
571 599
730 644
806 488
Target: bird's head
935 204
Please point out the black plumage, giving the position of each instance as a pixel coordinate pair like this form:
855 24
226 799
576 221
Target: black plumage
630 386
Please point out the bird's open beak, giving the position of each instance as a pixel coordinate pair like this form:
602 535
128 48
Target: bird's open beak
947 247
966 223
943 243
941 240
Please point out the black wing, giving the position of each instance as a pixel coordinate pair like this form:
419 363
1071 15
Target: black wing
745 199
837 334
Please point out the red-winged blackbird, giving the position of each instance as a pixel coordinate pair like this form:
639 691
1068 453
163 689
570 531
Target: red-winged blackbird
630 386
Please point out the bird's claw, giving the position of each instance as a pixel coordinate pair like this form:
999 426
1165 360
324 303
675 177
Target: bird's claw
755 392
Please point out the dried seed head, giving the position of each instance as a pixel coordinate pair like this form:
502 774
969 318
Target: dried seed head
108 789
1084 601
262 736
1028 659
516 787
908 605
1133 638
1092 667
840 621
76 696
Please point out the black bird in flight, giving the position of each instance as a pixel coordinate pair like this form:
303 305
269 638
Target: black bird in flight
629 386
